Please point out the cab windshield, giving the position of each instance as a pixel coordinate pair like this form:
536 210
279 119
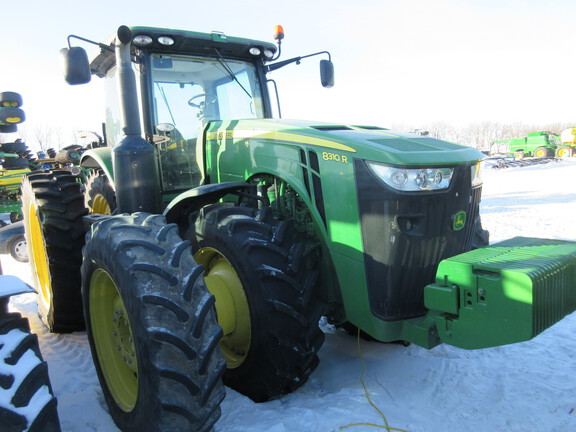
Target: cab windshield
192 91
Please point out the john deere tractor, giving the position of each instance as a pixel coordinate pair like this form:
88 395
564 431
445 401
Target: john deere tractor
210 238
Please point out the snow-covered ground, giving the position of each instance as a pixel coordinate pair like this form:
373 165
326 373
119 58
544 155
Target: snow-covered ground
529 386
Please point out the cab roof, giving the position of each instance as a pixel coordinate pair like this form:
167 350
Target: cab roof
185 42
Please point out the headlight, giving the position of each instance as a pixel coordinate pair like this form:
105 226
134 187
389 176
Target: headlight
413 179
476 174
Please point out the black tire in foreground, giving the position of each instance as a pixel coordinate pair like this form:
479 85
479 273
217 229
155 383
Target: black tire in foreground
152 326
100 195
27 402
53 207
265 298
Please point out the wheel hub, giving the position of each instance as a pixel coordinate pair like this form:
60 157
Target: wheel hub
21 249
100 205
123 334
232 307
113 340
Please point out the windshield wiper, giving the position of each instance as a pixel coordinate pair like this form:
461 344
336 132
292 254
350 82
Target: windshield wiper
231 73
161 90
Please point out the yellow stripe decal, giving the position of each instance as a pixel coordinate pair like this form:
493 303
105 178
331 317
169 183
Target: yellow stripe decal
279 136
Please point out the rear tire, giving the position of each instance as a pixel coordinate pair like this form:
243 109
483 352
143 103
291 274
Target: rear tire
53 207
151 325
27 402
273 350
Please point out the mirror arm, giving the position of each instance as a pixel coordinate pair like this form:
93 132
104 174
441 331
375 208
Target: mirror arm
283 63
100 45
318 53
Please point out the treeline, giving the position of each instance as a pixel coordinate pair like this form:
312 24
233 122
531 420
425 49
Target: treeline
481 135
40 137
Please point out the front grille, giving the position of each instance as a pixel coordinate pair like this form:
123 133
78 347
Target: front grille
406 234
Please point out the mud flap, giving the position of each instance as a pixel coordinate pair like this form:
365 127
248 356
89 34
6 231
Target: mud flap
505 293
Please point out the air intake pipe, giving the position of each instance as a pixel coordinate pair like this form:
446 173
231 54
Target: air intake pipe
136 175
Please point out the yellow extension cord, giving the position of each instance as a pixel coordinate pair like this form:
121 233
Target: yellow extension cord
385 425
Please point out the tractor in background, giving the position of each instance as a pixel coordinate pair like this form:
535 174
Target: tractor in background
535 144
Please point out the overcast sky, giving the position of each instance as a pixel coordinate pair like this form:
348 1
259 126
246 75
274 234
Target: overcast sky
397 61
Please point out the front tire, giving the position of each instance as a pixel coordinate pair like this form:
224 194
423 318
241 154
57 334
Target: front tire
151 326
53 207
265 298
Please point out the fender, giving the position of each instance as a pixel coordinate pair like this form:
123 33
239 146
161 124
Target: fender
194 199
99 158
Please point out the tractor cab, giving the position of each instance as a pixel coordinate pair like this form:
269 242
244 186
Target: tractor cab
186 80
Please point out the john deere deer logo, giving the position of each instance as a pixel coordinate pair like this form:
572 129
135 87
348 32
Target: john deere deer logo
459 221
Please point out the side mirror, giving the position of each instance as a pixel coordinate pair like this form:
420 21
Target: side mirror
327 73
76 65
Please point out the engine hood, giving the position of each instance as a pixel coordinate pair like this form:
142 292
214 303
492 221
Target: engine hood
365 142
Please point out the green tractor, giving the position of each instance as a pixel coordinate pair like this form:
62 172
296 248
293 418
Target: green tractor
537 144
210 238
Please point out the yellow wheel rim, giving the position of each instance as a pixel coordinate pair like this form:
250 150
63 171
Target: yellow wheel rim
563 153
38 257
231 305
100 205
540 153
113 339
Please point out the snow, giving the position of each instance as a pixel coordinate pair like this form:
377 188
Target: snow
522 387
